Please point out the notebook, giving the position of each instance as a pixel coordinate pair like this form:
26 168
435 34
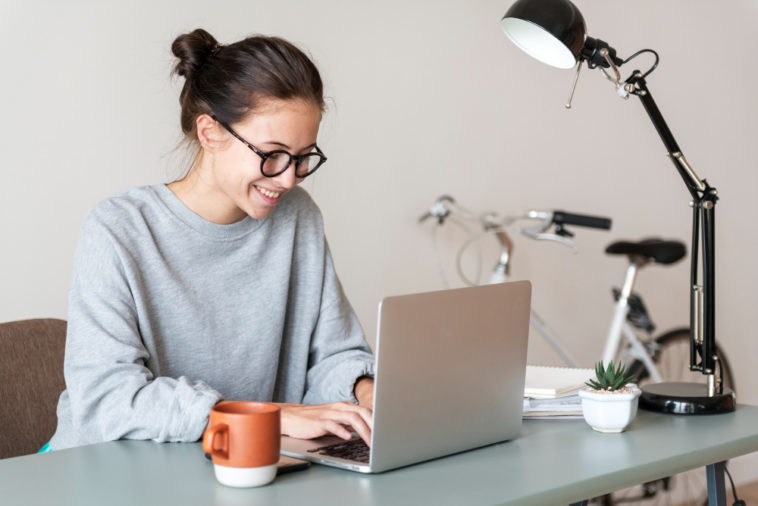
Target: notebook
449 378
546 381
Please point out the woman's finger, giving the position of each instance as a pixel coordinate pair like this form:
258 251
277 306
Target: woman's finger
337 429
354 420
364 412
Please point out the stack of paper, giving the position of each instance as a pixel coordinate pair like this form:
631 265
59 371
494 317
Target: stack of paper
568 406
551 392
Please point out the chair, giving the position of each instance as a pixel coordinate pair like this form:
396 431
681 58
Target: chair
31 380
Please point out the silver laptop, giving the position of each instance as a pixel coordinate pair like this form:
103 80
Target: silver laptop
450 377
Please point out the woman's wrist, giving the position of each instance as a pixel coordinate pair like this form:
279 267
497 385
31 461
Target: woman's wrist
363 390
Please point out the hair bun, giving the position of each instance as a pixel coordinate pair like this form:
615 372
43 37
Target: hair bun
193 50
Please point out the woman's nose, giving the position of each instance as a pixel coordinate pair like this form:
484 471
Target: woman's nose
287 179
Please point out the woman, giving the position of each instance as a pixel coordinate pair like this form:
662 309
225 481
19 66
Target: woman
219 285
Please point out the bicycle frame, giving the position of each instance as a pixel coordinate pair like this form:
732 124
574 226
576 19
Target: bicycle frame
619 328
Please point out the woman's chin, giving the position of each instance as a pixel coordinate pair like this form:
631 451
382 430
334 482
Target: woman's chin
259 212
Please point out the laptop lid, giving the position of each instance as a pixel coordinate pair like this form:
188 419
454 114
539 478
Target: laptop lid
450 372
450 375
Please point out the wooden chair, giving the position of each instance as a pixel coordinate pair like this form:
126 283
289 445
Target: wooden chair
31 380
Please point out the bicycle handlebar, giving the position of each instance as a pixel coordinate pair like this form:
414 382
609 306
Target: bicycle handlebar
445 207
581 220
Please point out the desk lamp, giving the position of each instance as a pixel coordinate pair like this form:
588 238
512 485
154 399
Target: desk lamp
553 31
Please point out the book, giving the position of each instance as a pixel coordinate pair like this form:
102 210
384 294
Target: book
553 415
568 406
544 382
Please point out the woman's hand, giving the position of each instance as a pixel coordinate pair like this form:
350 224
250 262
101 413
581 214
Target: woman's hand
338 418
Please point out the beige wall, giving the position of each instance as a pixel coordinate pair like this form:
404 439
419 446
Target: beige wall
426 98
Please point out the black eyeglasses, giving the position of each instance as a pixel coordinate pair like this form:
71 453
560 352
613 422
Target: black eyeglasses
276 162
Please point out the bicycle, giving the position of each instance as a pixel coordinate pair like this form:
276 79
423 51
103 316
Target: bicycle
630 338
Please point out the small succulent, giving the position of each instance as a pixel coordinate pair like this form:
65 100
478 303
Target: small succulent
610 379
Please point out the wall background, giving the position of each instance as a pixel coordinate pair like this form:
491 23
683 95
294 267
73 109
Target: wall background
426 98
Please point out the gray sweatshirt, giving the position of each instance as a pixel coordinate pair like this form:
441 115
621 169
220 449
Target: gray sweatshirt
169 313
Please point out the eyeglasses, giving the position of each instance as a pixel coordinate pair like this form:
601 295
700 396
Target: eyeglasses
276 162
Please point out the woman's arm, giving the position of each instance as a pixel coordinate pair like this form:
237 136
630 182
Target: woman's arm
364 392
339 354
111 392
339 396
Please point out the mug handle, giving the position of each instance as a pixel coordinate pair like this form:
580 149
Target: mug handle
209 440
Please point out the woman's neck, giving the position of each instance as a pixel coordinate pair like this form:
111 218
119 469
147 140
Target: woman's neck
199 192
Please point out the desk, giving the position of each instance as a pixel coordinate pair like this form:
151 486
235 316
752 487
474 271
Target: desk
553 462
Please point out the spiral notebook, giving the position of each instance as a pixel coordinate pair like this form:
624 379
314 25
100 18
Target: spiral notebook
545 382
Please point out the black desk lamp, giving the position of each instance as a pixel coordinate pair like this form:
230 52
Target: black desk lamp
553 31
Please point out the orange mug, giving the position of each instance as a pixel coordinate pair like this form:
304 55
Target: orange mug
243 439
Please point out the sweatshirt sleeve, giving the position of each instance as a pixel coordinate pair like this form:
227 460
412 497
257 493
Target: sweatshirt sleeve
113 395
339 354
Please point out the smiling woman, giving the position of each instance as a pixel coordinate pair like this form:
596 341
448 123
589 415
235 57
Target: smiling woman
221 284
230 181
268 90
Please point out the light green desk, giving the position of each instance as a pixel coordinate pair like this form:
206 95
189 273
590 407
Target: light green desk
553 462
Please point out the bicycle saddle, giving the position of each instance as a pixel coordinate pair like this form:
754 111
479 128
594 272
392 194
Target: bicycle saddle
657 250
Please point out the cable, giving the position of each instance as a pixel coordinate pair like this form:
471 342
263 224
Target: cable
465 246
437 258
639 53
463 212
737 502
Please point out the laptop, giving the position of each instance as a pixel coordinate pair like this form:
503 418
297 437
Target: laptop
449 378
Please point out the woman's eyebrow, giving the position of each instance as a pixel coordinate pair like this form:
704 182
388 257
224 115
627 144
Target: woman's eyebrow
285 146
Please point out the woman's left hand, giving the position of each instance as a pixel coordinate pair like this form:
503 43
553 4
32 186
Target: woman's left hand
338 418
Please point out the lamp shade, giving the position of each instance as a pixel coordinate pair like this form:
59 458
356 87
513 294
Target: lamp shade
551 31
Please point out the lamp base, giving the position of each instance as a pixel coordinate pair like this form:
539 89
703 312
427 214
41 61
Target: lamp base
681 398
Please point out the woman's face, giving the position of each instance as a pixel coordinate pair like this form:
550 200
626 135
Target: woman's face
290 125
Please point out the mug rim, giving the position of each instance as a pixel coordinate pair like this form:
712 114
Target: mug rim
248 408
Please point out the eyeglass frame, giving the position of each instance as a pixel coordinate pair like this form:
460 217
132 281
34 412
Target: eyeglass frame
264 155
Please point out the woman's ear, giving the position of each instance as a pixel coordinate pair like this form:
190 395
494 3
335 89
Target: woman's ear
208 132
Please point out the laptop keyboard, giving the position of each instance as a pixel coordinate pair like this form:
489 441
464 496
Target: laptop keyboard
355 449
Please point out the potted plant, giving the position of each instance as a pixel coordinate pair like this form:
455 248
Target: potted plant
609 401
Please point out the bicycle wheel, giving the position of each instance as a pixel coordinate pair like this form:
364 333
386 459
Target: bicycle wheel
671 354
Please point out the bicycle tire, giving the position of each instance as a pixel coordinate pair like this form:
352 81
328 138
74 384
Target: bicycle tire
674 365
671 356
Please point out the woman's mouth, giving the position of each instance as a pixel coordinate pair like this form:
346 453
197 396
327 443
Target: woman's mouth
269 196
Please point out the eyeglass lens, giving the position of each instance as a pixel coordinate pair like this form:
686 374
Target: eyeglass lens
277 162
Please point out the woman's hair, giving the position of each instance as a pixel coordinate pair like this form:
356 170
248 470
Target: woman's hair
231 81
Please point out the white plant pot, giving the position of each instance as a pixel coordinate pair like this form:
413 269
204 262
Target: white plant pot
609 412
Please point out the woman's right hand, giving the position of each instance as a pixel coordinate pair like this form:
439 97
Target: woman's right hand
305 421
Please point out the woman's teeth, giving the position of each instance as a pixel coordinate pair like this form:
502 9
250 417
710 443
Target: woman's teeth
269 194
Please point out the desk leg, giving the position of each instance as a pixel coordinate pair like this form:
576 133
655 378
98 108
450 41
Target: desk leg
716 487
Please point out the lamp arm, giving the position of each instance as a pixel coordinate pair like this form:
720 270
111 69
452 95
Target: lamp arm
636 85
704 197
